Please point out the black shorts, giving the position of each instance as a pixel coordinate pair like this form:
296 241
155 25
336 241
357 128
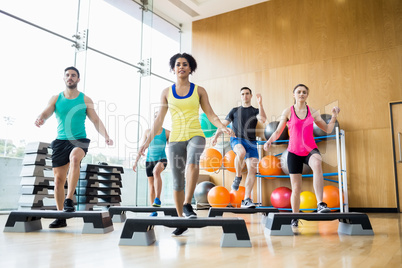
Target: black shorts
295 162
149 166
62 150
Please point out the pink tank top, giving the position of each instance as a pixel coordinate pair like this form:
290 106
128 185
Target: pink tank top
301 138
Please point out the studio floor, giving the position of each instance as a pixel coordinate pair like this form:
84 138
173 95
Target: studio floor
317 245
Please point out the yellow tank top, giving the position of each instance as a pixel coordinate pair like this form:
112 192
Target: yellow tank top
185 112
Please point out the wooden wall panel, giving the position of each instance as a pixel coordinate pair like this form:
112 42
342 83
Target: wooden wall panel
287 32
371 180
349 53
396 21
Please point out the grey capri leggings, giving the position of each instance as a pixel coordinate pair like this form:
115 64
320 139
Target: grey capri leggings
182 153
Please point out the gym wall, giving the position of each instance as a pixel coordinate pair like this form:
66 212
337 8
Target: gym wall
349 53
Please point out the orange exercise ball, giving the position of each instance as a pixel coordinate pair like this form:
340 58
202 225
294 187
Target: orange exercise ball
219 197
308 200
228 161
237 196
270 165
211 160
331 196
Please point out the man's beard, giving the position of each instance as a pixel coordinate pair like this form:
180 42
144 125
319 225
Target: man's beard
72 86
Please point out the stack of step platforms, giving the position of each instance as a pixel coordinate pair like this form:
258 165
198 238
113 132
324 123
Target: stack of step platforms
37 182
99 186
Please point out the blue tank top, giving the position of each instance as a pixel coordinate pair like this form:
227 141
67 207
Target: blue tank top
71 115
156 149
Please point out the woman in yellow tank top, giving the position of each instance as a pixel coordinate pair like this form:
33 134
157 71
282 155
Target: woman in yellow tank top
187 141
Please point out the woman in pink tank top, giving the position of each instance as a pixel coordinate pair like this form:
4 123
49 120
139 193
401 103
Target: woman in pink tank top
302 148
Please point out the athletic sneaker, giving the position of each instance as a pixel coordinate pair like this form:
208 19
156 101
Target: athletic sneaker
294 223
179 231
69 205
247 203
157 202
322 208
58 223
188 211
154 214
236 183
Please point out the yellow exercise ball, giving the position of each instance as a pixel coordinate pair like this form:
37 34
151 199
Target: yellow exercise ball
308 200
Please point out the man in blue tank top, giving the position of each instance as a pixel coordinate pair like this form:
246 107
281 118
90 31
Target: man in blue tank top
71 145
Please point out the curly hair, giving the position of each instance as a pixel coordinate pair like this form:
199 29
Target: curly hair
188 57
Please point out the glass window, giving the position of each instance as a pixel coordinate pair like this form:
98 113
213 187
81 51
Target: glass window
32 69
165 43
58 16
31 73
34 59
115 32
114 88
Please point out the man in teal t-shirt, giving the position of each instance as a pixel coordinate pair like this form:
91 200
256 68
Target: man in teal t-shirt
71 145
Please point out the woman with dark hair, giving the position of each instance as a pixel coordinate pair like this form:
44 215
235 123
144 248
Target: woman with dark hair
302 148
187 140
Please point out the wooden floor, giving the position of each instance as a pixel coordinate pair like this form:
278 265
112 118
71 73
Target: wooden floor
318 245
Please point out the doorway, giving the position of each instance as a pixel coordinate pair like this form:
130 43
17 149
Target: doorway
396 130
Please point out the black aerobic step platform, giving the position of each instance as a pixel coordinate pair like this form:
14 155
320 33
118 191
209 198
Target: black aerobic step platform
118 213
350 223
103 169
99 184
213 212
104 177
140 231
95 222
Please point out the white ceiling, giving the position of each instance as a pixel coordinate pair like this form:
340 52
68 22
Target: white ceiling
187 11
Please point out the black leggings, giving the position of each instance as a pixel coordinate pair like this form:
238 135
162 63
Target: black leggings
150 165
295 162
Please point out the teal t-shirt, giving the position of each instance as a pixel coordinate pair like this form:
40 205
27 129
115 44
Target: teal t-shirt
71 115
156 149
